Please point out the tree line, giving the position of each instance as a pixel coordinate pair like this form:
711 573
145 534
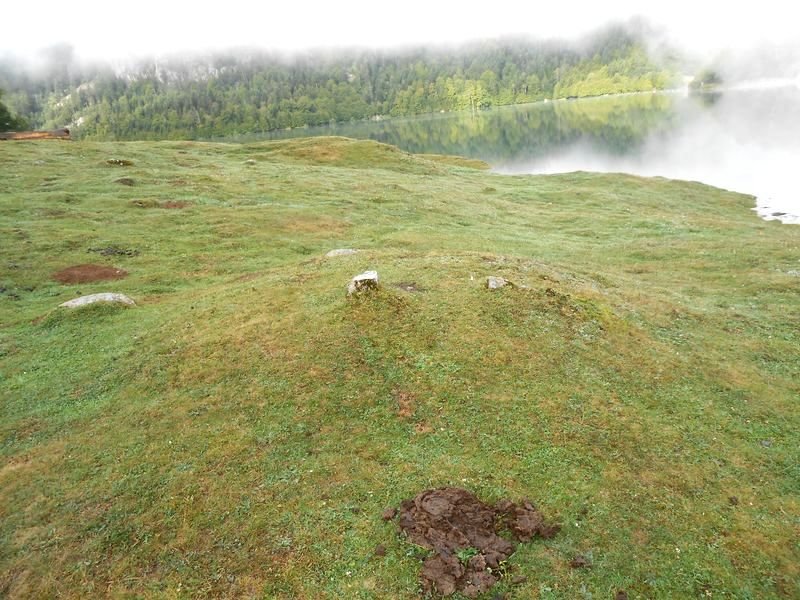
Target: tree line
236 93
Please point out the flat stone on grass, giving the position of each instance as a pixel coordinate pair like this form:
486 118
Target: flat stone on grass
102 297
495 283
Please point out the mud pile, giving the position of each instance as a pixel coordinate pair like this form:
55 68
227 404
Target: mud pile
88 274
468 554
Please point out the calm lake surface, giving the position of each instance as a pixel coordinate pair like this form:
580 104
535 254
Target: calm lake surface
745 139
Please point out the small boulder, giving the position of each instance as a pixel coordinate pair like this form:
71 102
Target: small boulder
341 252
495 283
104 297
360 283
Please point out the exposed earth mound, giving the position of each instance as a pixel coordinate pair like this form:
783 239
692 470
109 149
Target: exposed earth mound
88 274
468 554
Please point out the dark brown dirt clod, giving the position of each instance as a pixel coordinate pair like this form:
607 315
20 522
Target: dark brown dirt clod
580 562
380 550
125 181
734 501
88 273
451 520
114 251
389 514
621 595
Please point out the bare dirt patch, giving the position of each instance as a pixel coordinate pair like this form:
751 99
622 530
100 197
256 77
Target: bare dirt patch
150 203
405 404
174 204
88 274
468 554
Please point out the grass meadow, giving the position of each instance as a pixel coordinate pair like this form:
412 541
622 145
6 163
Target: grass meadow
239 432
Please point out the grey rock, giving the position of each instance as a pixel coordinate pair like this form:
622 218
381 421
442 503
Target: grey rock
495 283
341 252
104 297
360 283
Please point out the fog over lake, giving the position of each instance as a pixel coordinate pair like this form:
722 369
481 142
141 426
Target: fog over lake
745 139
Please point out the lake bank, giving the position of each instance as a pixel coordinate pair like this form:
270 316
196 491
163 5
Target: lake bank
743 139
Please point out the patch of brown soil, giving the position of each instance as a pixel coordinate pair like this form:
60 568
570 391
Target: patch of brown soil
14 464
405 404
462 532
580 562
174 204
150 203
88 273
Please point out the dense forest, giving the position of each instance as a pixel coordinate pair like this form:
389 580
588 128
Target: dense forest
241 92
9 122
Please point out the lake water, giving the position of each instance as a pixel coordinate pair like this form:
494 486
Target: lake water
745 139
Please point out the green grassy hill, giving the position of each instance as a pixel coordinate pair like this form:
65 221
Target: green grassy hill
239 433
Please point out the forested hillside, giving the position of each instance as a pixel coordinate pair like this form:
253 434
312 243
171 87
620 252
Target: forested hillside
256 91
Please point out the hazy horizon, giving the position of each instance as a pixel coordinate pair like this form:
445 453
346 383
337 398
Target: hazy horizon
156 28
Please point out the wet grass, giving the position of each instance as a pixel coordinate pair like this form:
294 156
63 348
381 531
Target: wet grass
240 432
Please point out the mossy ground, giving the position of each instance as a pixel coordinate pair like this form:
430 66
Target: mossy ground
239 433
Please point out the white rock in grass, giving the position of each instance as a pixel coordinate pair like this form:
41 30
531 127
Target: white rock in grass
360 283
104 297
341 252
495 283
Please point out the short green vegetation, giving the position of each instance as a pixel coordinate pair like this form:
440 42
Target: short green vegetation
240 432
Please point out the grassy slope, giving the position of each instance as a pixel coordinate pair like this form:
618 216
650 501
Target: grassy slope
240 432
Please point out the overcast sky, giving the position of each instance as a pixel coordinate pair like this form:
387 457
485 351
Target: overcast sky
119 29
